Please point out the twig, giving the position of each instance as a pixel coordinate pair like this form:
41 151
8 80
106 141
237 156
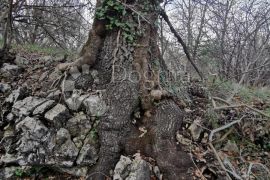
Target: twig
213 103
224 136
222 165
56 82
236 106
224 127
221 100
257 111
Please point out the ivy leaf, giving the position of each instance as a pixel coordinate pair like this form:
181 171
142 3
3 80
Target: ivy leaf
110 3
124 12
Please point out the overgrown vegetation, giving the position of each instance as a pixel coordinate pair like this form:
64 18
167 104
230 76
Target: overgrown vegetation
35 48
116 18
114 13
245 94
34 171
1 42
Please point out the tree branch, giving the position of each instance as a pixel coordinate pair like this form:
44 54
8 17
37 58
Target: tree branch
180 40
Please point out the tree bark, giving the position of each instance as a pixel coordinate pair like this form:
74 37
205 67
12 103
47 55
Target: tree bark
128 74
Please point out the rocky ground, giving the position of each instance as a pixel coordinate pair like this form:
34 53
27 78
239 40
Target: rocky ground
48 128
48 123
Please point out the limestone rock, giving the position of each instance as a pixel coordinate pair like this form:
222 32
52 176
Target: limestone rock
9 70
74 72
17 94
21 61
75 101
10 158
62 136
4 87
68 85
94 105
44 107
157 172
79 125
32 127
67 153
195 129
54 95
78 142
27 105
58 115
88 155
10 117
120 170
139 170
7 172
33 138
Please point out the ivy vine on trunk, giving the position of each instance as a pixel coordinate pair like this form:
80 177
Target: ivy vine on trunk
123 47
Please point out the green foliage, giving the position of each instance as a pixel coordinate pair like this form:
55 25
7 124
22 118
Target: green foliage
33 171
110 7
19 173
113 12
267 146
213 118
267 111
1 42
35 48
220 85
245 93
94 134
248 94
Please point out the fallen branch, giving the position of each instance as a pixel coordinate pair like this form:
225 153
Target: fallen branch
229 107
224 127
220 161
221 100
224 136
242 105
180 40
215 151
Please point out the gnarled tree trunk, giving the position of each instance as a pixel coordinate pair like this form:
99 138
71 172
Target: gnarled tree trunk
128 74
